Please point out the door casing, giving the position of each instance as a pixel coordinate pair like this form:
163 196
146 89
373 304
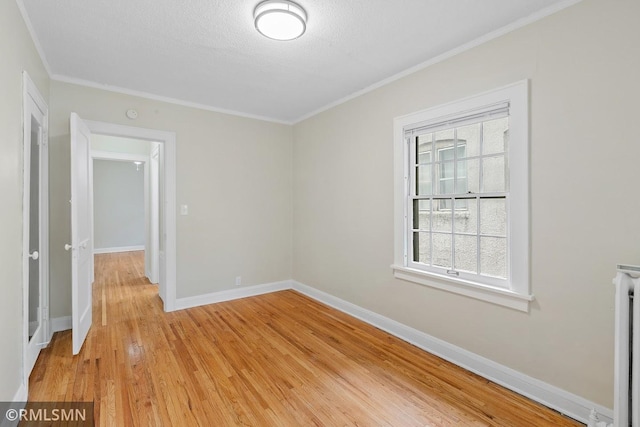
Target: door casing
35 106
167 254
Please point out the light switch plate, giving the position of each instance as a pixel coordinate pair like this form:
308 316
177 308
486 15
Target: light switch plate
184 210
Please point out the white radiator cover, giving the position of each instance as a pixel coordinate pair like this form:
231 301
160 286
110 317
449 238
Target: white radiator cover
627 352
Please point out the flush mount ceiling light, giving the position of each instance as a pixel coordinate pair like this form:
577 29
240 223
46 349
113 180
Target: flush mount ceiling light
280 19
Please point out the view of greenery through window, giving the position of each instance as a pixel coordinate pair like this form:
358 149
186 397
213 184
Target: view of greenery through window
459 195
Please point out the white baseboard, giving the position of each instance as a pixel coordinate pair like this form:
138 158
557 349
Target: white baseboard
59 324
118 249
562 401
231 294
20 397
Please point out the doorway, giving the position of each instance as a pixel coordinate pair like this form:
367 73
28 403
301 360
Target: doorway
166 214
35 226
125 183
166 164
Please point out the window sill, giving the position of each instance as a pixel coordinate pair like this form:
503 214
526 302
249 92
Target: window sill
503 297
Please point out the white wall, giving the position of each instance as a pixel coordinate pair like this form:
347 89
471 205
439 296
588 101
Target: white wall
118 203
18 53
233 172
583 64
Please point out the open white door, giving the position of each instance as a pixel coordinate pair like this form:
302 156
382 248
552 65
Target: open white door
81 298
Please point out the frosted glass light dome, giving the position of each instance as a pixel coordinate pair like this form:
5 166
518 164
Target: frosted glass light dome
280 19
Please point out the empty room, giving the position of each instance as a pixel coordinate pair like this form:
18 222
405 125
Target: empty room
331 213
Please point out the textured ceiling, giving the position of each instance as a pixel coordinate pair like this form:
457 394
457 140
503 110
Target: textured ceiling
207 52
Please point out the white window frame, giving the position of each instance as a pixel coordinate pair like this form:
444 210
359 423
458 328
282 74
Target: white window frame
517 293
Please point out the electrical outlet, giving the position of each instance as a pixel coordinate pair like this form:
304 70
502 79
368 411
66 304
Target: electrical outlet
238 280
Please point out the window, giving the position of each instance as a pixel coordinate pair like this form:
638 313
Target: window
462 209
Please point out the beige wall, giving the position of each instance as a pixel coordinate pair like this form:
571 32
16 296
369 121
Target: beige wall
583 64
18 53
234 173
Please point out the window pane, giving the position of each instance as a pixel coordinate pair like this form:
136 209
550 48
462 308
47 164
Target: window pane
425 138
461 177
446 186
470 137
424 148
493 257
495 135
421 248
460 207
466 253
473 175
445 155
423 180
441 220
466 216
493 217
445 178
444 205
421 214
442 250
493 174
444 139
423 157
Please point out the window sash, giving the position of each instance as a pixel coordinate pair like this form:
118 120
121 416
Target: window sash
412 178
451 270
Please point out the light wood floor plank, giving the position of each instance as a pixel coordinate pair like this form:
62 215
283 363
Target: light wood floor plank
280 359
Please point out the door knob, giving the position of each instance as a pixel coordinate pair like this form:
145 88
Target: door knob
35 255
67 247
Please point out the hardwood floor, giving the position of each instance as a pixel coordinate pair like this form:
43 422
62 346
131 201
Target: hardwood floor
279 359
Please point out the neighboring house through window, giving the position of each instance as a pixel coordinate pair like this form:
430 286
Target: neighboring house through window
462 214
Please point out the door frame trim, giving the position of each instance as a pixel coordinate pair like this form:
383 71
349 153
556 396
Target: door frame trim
33 100
167 291
153 204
